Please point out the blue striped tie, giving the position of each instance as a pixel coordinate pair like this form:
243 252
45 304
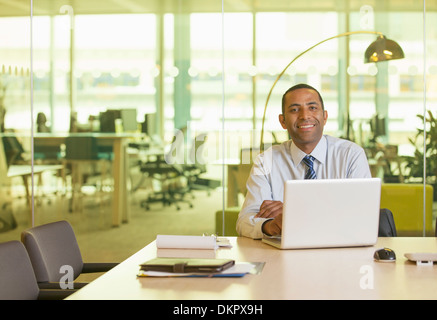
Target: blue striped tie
310 174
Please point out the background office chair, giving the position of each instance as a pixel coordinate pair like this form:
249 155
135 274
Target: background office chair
53 245
17 278
195 169
44 154
13 149
168 182
85 159
7 219
387 226
49 155
406 202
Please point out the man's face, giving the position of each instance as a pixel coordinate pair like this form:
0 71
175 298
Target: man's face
304 118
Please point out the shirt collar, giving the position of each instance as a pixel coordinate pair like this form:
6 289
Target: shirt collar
319 152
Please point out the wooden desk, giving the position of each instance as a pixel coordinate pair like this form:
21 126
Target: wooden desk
120 207
344 273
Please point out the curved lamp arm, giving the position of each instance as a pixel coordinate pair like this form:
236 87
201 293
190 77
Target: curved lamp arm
297 57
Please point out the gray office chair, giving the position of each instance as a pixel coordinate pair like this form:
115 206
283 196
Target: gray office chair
52 246
196 167
85 159
17 278
172 190
387 227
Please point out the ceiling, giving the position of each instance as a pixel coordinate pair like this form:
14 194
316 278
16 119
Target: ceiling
53 7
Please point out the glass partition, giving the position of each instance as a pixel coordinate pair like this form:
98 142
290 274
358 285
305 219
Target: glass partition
16 196
144 119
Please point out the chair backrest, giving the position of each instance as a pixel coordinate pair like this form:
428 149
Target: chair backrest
50 247
81 148
405 200
17 279
12 148
387 226
44 151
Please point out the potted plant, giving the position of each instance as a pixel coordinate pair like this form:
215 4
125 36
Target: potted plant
415 163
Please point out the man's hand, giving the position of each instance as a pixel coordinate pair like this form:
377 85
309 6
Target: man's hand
271 209
273 227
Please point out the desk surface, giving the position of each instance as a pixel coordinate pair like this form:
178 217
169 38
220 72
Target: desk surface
342 273
20 170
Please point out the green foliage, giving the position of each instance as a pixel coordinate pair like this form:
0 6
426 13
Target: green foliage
415 163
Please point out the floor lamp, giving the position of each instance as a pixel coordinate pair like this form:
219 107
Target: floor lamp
382 49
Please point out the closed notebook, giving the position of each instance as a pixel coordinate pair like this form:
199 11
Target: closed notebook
187 265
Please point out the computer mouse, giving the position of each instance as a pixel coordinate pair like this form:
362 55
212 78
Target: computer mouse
385 255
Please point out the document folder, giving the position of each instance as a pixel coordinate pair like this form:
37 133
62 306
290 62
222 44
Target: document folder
183 265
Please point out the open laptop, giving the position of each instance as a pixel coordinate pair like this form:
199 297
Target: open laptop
329 213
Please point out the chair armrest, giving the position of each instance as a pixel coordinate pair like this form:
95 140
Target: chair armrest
53 294
90 267
57 285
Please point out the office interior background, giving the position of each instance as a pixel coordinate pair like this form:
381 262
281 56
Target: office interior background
198 72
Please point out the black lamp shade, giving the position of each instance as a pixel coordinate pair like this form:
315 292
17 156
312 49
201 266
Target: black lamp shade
383 49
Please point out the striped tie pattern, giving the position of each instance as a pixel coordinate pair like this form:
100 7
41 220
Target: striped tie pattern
310 174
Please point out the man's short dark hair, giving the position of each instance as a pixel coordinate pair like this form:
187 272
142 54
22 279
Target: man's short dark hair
301 86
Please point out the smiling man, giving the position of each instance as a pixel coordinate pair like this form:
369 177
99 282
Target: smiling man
304 116
309 154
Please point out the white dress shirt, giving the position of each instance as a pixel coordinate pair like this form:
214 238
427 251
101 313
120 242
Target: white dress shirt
334 159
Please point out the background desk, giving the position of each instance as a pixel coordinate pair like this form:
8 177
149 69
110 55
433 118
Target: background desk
26 171
287 274
120 207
